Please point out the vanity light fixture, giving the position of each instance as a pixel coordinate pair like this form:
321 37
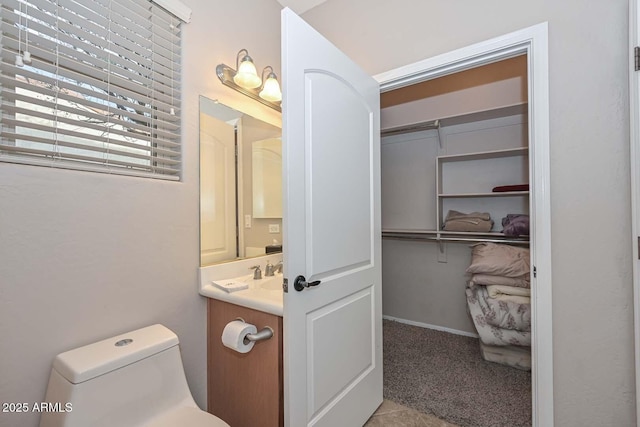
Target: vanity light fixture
246 76
271 88
246 80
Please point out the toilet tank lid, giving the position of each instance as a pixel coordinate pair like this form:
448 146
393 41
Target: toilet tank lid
90 361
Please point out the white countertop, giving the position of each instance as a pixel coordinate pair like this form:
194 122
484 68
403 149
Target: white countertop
264 294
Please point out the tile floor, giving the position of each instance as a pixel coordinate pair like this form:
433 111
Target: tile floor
391 414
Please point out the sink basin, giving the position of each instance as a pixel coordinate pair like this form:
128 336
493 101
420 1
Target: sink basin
271 283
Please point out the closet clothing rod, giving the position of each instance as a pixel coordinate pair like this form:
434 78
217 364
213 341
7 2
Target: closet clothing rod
434 124
453 239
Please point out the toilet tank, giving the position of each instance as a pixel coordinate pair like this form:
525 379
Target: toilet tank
121 381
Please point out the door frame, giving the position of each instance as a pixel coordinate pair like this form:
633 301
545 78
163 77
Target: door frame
634 151
532 41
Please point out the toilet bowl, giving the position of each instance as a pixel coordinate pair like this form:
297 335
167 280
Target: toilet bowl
131 380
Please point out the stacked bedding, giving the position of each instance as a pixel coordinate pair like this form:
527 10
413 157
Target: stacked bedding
499 301
474 221
515 225
511 355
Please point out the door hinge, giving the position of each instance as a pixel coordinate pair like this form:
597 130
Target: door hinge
638 247
636 55
535 272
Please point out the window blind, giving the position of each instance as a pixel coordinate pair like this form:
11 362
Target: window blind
91 85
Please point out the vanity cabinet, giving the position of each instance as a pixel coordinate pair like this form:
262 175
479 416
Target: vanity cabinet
244 390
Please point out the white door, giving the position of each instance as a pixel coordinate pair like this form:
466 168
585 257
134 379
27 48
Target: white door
218 190
331 173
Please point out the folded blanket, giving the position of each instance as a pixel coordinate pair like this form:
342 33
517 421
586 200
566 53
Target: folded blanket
499 260
514 299
451 215
505 188
504 314
477 225
510 355
474 221
515 225
489 334
489 279
496 291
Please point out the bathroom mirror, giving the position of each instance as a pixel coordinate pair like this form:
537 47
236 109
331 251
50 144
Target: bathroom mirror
240 185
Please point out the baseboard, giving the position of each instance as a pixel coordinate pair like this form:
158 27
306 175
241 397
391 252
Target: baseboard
428 326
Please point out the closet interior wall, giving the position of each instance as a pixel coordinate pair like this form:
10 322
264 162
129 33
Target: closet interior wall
482 109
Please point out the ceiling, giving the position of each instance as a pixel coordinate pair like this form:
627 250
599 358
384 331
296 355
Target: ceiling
300 6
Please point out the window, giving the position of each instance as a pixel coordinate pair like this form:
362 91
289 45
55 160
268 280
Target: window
91 85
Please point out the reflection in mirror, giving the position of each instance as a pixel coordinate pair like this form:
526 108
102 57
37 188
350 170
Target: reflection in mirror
266 160
231 226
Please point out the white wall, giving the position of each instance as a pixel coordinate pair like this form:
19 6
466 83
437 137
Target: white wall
86 256
592 289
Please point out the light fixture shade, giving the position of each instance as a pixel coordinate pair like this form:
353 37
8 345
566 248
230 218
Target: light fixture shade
271 90
247 76
246 80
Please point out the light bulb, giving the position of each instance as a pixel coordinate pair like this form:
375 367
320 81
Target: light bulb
247 76
271 90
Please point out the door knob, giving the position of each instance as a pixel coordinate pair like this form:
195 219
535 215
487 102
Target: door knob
300 283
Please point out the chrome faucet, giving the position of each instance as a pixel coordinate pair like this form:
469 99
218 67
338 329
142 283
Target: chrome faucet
268 270
278 267
257 273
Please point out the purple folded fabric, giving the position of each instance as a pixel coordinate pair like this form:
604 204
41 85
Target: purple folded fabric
506 188
515 225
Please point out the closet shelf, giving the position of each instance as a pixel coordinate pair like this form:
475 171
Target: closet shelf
471 116
492 194
483 155
452 236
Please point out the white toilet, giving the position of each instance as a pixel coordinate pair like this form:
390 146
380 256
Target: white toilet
132 380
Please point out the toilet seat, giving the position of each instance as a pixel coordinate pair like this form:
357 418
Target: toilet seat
187 416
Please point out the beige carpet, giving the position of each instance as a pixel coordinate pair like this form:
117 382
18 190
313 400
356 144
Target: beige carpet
443 375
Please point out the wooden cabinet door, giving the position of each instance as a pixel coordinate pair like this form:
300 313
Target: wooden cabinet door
244 390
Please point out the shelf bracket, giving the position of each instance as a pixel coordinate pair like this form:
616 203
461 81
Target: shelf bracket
442 254
437 125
